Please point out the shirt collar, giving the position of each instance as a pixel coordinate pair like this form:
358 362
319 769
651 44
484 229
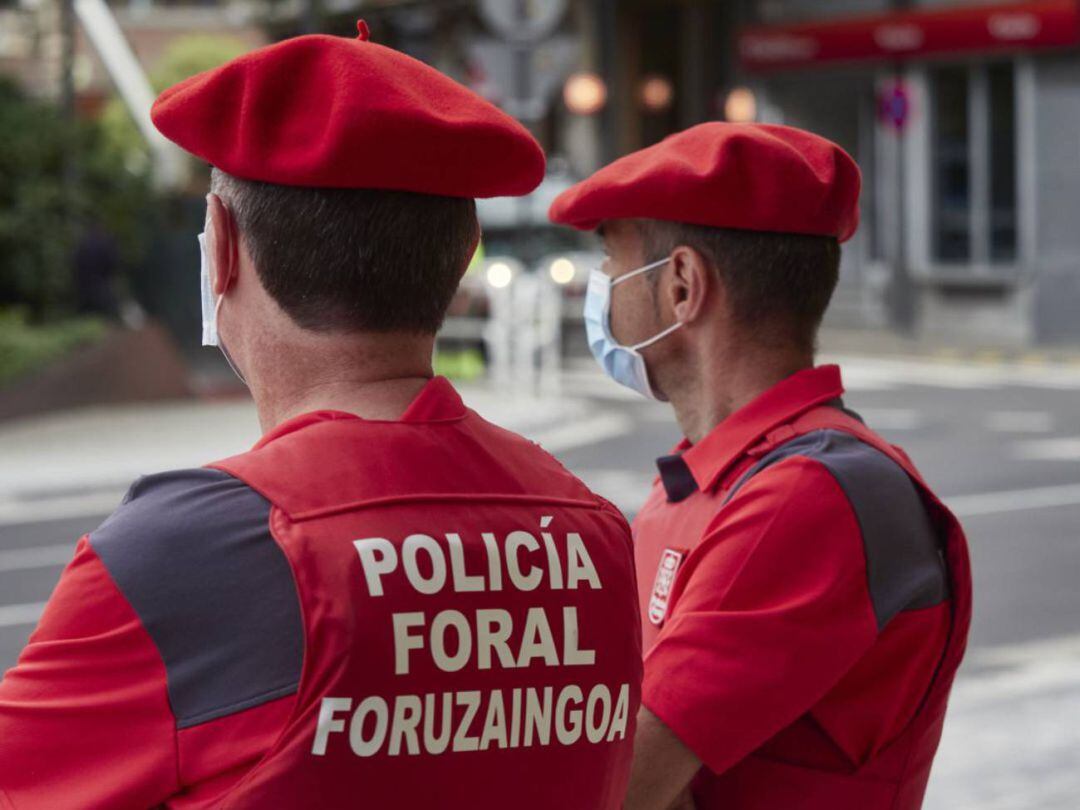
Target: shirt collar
438 401
698 467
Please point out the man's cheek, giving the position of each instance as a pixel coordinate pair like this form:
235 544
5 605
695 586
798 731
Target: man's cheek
630 324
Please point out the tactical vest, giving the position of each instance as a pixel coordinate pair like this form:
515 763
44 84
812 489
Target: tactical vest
470 620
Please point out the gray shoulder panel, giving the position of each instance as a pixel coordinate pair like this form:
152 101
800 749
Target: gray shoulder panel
191 550
905 563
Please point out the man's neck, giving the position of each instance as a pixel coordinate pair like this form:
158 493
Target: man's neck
382 400
719 388
373 382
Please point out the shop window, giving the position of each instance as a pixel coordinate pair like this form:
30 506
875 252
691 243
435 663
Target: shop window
951 166
1002 159
973 164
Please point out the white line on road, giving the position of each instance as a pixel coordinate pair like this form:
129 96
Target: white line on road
584 432
1019 421
1059 449
61 508
624 488
1015 500
26 559
892 418
1046 649
882 373
16 615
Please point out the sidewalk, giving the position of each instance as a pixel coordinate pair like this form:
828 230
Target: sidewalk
1011 741
82 461
883 343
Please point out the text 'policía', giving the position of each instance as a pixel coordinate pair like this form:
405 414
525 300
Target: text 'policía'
481 639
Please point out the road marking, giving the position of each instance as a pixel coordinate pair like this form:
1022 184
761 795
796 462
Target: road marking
1019 421
1059 449
628 490
1030 695
624 488
1044 649
581 433
863 372
892 418
26 559
18 615
1015 500
65 507
595 385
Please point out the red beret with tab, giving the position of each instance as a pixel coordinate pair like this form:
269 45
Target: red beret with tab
758 177
326 111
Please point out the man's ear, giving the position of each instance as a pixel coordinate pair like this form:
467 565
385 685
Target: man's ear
689 284
223 244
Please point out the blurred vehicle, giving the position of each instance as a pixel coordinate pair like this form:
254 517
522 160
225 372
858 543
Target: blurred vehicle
570 271
519 239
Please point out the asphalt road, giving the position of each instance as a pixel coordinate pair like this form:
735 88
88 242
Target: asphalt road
1002 448
996 452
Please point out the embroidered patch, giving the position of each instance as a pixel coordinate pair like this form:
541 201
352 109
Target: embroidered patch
665 578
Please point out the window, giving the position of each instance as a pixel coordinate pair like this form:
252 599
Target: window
973 165
951 170
1002 168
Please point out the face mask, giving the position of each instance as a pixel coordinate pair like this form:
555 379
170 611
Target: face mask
210 309
624 364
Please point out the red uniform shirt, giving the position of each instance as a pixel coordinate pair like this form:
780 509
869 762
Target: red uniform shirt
805 601
419 613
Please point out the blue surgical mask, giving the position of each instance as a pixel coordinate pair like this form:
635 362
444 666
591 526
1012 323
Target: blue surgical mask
210 308
624 364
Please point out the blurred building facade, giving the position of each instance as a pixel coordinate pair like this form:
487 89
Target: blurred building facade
32 41
962 113
964 117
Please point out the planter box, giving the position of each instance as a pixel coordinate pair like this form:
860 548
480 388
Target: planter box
128 365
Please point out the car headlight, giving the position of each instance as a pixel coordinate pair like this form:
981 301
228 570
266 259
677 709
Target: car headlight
562 271
499 275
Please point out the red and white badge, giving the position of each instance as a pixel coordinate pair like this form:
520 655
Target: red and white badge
670 561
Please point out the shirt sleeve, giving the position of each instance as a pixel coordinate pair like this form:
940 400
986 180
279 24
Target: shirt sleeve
85 712
770 611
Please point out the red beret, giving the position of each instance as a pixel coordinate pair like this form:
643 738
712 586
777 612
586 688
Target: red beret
758 177
327 111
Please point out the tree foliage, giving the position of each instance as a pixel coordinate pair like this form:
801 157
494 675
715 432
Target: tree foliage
55 176
183 58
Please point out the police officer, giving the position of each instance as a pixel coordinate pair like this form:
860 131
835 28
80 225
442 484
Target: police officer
805 597
386 602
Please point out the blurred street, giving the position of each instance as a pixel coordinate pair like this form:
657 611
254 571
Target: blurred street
1000 441
954 318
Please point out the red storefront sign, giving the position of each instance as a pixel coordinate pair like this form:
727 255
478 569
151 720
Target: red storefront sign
907 34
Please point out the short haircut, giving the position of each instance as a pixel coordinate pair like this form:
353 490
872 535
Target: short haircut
779 283
354 260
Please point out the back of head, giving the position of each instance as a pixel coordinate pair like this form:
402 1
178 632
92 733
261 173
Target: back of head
344 180
350 170
762 207
778 284
353 260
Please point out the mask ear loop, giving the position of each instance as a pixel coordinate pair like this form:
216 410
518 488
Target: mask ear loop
655 338
221 344
639 271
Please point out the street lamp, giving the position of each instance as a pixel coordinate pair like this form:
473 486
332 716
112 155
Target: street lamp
656 93
499 275
585 94
562 271
740 106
